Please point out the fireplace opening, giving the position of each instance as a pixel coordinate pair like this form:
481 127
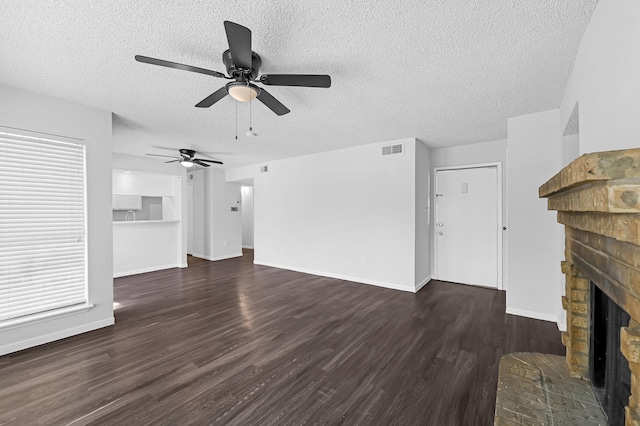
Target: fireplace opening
608 369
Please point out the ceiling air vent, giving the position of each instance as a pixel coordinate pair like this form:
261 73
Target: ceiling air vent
264 169
392 149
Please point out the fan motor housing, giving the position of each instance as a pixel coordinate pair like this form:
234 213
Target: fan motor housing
235 72
187 153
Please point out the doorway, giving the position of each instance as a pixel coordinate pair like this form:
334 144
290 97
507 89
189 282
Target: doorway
247 217
468 225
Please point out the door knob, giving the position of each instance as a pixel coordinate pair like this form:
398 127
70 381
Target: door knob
440 233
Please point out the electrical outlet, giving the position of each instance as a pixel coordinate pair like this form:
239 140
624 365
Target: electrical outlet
363 259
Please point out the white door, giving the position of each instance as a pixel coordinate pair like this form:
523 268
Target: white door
466 227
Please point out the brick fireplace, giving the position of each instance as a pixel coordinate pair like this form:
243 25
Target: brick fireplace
597 198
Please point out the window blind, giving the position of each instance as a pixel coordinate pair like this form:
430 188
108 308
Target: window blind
42 223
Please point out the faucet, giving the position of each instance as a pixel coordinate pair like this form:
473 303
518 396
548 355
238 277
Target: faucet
127 216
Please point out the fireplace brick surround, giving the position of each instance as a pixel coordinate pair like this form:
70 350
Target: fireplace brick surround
597 198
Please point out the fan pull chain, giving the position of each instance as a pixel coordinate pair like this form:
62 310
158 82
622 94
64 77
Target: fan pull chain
250 102
236 120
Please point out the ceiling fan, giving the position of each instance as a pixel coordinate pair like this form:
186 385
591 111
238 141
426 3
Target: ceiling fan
242 66
187 158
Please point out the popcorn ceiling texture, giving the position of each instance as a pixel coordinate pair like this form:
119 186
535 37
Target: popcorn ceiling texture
448 72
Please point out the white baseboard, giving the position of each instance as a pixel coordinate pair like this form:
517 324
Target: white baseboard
531 314
423 283
57 335
248 247
562 322
213 259
145 270
562 326
337 276
183 265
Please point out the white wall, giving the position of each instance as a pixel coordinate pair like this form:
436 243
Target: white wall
323 213
478 153
534 154
200 228
570 148
226 224
217 231
605 81
189 217
30 111
423 205
247 217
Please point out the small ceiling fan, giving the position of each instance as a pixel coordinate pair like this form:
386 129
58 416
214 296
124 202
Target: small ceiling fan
187 158
242 66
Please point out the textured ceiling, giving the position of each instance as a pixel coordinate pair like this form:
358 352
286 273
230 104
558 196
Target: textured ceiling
449 72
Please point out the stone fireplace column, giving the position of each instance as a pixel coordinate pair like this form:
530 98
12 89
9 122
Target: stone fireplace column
630 348
597 198
576 303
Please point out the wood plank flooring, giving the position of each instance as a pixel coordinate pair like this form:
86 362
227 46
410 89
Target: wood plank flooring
230 342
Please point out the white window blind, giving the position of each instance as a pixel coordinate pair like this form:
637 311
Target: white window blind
42 223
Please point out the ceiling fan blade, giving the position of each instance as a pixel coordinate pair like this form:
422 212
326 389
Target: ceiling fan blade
200 163
208 161
239 39
212 98
159 155
301 80
169 64
272 103
173 161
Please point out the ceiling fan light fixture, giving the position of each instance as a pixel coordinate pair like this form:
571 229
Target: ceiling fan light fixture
242 92
186 163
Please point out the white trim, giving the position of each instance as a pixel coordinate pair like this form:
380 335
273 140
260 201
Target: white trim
562 325
498 166
183 265
57 335
213 259
338 276
248 247
423 283
47 315
530 314
468 166
149 269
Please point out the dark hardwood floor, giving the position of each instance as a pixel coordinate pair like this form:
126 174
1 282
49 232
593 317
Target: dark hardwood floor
228 342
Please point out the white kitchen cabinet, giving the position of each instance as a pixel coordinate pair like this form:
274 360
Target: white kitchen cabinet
147 184
126 202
